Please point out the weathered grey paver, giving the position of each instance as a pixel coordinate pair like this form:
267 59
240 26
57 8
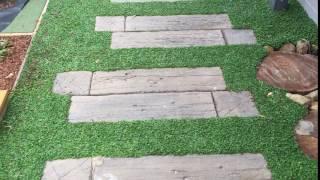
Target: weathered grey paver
230 104
193 167
157 80
110 23
73 83
239 36
178 22
141 107
68 169
166 39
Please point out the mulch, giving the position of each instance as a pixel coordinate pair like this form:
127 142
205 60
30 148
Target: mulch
4 4
10 66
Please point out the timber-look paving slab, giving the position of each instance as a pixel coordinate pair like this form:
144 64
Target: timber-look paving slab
172 31
191 167
166 39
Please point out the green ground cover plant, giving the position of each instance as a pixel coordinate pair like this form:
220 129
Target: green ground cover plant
35 128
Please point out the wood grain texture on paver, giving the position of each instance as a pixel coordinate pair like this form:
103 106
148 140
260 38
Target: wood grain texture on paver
177 23
158 80
151 106
166 39
190 167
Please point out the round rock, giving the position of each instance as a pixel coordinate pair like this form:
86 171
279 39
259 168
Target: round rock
290 71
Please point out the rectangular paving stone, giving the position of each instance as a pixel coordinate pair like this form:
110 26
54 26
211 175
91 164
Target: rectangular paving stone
177 23
192 167
239 36
131 107
68 169
166 39
73 83
110 23
157 80
231 104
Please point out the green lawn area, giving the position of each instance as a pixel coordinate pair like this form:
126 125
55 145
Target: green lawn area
35 129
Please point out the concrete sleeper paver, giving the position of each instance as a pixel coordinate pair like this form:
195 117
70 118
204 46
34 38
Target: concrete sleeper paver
178 23
110 23
234 104
197 167
131 107
73 83
239 36
166 39
157 80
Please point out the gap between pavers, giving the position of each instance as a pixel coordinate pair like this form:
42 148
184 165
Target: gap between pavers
200 167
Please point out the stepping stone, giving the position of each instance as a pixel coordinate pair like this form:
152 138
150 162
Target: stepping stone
157 80
69 169
73 83
200 167
177 23
131 107
166 39
110 23
232 104
239 36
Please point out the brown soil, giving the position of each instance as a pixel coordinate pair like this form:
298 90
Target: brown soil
4 4
10 66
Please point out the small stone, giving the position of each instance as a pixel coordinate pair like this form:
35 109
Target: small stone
304 128
270 94
303 46
314 50
298 98
9 76
312 95
269 49
314 105
288 48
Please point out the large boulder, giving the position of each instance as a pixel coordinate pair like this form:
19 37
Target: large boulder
290 71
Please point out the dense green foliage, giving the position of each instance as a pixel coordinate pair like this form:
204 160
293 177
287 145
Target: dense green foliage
35 129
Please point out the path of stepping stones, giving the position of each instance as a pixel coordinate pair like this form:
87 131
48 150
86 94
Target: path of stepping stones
155 94
172 31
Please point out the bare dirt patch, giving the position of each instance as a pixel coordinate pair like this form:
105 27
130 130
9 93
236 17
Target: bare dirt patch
10 66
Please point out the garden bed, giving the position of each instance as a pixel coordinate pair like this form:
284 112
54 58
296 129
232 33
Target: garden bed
10 65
